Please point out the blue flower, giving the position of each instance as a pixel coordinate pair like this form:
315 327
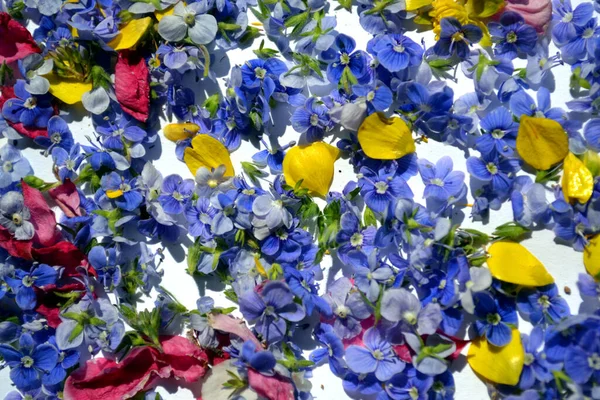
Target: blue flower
348 308
440 181
499 172
13 166
354 62
174 57
313 119
495 315
120 130
352 237
272 157
176 193
500 133
34 111
67 359
28 364
200 216
455 38
397 52
230 124
24 282
381 189
378 96
410 385
59 135
583 43
588 286
582 362
377 356
67 163
542 305
105 263
124 192
426 105
381 17
333 350
566 19
260 74
529 202
536 366
369 273
271 309
260 360
302 284
512 35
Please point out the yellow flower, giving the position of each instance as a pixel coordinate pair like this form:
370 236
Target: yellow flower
69 91
313 164
511 262
577 180
501 365
591 257
208 152
176 132
384 138
541 142
130 33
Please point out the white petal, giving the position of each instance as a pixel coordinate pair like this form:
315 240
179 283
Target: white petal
172 28
96 101
204 30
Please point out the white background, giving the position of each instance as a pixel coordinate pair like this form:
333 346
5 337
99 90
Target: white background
561 261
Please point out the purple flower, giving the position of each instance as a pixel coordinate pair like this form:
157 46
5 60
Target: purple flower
312 118
410 385
440 181
588 286
489 168
542 304
512 35
455 38
494 315
376 356
397 52
381 189
500 133
28 364
27 109
200 216
400 305
348 308
536 366
347 60
176 193
271 309
24 282
369 273
352 237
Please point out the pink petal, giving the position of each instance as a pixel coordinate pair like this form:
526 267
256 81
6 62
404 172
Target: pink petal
186 360
227 323
131 84
42 217
67 198
536 13
272 387
17 42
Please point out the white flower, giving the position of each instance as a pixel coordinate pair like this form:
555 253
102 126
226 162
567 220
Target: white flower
191 20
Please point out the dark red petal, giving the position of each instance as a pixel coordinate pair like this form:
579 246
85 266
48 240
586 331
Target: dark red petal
17 42
16 248
67 198
272 387
42 217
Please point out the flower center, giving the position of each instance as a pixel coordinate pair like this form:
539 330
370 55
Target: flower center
342 311
410 317
314 119
414 393
437 182
212 183
7 166
378 355
30 103
442 284
189 19
260 72
371 95
27 281
356 240
594 361
27 362
458 37
494 319
55 138
511 37
544 301
588 33
381 187
17 219
270 310
568 17
492 168
399 48
344 59
177 196
529 359
249 192
498 133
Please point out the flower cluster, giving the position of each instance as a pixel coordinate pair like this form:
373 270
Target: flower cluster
387 283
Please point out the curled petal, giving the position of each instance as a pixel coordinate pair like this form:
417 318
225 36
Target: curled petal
181 131
130 33
207 152
511 262
69 91
577 180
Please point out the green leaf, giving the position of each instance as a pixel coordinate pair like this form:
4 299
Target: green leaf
297 20
346 4
369 217
76 332
253 172
231 295
511 231
38 183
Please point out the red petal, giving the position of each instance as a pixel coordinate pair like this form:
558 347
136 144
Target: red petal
50 314
106 379
17 42
16 248
42 216
186 360
64 254
272 387
131 84
403 352
67 198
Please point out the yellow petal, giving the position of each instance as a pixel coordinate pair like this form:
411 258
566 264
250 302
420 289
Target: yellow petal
577 180
113 194
497 364
384 138
67 90
511 262
159 14
206 151
412 5
591 257
259 267
313 164
176 132
130 33
484 8
541 142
